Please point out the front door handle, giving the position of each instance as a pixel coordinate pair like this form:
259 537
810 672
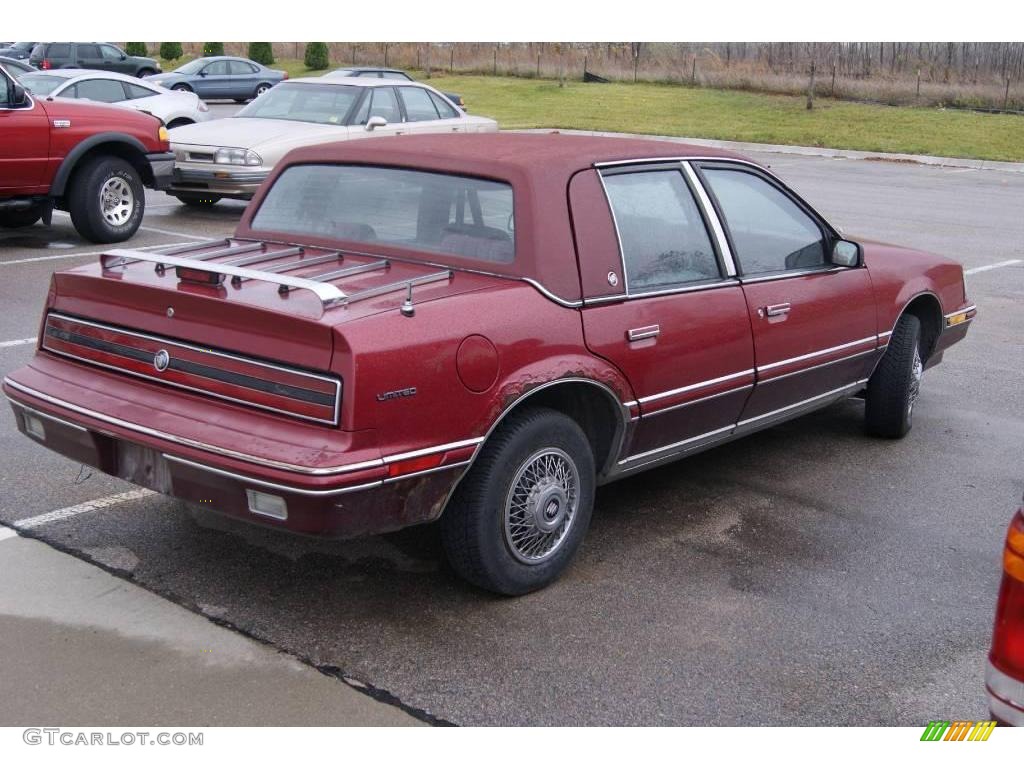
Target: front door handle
647 332
774 310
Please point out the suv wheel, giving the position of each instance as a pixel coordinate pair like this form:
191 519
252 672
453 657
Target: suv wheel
145 72
894 386
106 200
518 517
24 217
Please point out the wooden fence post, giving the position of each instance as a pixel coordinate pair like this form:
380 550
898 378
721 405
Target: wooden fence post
538 65
1006 94
385 54
584 67
693 71
919 82
451 61
832 93
495 62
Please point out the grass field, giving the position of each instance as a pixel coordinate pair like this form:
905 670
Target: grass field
675 110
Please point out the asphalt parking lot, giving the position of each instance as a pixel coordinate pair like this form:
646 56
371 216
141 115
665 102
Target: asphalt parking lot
807 575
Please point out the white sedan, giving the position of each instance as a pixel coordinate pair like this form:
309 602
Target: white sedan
173 107
231 157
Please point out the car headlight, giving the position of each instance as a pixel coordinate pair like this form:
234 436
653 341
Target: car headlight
237 157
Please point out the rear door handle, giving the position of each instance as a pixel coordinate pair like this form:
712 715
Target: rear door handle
647 332
774 310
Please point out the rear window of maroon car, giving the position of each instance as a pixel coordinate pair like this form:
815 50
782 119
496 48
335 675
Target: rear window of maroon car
440 213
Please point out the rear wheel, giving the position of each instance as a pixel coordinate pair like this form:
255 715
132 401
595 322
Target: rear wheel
145 72
24 217
198 201
893 388
106 200
262 88
518 517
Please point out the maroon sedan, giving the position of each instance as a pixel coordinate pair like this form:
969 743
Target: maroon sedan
481 330
1005 677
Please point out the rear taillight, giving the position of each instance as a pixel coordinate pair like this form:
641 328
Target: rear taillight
1008 636
46 64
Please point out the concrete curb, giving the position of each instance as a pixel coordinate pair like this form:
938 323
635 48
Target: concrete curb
785 149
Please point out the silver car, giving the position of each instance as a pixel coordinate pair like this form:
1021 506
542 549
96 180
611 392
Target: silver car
232 157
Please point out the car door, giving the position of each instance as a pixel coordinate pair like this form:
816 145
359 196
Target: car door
814 323
242 79
116 60
88 56
25 146
213 81
662 303
421 115
382 101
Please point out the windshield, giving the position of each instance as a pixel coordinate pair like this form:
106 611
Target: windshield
457 215
40 84
192 67
305 102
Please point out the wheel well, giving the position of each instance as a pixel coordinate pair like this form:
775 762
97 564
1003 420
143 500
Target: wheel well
116 149
179 121
926 308
590 405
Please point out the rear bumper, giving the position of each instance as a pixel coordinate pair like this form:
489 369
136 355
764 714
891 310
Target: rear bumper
362 497
1005 696
161 165
222 180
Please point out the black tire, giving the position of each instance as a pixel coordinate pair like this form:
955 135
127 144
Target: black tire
893 388
240 101
261 89
24 217
179 122
87 207
182 87
145 72
199 201
474 527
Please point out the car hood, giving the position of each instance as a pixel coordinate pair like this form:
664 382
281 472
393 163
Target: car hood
251 132
70 109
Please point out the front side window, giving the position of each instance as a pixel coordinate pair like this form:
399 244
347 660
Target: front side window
418 106
662 234
217 69
770 232
109 91
384 103
87 52
110 52
457 215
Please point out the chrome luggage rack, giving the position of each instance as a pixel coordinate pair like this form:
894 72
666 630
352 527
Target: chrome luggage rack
243 255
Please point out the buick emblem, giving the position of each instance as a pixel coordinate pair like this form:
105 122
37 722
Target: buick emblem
161 360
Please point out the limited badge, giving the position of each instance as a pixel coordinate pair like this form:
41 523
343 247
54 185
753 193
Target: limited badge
161 360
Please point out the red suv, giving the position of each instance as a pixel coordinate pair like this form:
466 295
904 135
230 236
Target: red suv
92 160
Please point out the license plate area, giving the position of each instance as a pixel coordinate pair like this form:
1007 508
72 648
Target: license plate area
143 466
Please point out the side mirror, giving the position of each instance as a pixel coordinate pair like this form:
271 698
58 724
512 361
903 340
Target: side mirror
18 95
124 56
202 73
376 122
846 254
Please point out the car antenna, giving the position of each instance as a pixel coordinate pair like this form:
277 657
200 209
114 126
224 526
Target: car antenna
408 310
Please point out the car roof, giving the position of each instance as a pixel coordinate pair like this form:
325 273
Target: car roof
505 155
89 74
362 82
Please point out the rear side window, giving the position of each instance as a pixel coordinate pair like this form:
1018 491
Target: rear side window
86 52
418 105
109 91
383 103
770 232
58 51
446 110
662 234
241 68
137 91
457 215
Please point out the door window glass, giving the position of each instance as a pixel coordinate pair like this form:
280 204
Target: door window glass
58 51
110 91
418 105
446 110
217 69
110 52
663 237
385 104
86 52
241 68
770 232
137 91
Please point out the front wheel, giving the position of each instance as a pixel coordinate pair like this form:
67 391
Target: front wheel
182 87
24 217
106 200
518 517
145 73
894 386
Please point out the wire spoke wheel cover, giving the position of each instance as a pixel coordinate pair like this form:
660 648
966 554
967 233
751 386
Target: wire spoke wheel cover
541 505
916 373
117 202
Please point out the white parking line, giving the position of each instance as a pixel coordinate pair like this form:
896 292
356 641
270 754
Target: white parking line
145 228
998 265
7 533
97 253
17 342
88 506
